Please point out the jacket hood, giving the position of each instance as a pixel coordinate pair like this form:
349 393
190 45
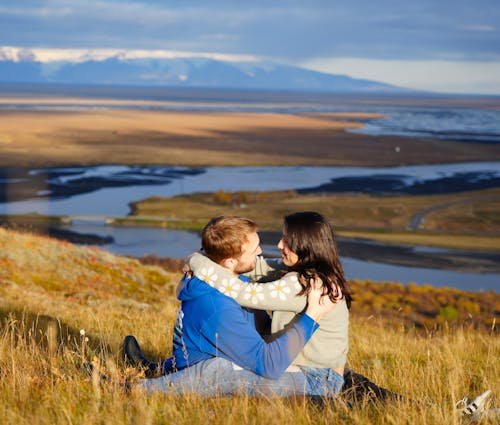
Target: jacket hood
194 288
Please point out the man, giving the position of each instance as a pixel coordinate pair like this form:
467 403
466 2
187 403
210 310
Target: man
216 347
212 326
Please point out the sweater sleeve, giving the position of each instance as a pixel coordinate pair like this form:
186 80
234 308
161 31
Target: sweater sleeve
239 342
277 295
267 269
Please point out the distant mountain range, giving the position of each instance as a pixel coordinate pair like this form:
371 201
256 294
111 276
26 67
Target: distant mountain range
182 72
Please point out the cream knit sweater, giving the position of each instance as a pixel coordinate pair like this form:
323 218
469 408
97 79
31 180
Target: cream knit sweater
327 348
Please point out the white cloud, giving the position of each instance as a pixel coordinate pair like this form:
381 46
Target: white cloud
79 55
433 75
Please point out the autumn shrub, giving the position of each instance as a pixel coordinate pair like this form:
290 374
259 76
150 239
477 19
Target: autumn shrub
449 313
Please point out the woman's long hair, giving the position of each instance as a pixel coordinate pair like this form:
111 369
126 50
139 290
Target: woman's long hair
311 237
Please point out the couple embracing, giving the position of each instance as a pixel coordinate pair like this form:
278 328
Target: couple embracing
226 343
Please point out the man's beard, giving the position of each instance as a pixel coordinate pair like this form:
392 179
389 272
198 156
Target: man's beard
244 268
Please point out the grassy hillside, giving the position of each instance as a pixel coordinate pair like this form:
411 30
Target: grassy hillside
61 305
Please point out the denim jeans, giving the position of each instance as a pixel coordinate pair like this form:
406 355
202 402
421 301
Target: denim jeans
218 376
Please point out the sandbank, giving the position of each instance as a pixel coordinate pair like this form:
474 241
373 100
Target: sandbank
151 137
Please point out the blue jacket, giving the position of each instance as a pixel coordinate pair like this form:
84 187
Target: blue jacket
211 324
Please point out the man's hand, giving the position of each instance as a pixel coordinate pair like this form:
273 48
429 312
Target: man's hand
317 303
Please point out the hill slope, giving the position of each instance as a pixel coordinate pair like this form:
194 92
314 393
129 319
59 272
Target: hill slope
58 268
61 305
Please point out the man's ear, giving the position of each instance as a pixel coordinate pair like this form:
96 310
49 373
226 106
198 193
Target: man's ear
229 263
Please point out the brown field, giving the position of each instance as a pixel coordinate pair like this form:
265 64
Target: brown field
56 138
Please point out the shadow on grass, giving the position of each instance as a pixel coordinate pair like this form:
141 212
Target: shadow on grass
49 333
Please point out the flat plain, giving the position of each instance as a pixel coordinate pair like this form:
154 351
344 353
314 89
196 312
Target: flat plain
129 136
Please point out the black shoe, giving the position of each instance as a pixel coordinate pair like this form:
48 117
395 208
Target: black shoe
133 356
359 387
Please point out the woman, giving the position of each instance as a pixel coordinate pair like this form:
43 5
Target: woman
309 254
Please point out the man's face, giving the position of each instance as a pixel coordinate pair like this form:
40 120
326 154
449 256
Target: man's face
249 251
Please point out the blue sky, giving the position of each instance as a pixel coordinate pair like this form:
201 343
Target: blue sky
440 45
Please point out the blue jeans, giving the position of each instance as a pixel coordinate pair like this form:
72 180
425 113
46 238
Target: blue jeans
218 376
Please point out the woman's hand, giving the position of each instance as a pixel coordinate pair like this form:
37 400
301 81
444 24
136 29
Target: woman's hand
186 269
317 303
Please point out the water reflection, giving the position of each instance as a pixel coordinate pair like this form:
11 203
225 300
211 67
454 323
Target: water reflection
140 241
367 270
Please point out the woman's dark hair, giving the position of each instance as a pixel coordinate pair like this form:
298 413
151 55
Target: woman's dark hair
311 237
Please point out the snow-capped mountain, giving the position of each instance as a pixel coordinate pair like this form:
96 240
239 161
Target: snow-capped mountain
120 68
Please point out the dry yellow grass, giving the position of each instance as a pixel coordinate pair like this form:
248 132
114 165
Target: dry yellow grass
482 213
42 381
466 242
381 218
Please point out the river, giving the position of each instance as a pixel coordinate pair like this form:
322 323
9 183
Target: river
107 190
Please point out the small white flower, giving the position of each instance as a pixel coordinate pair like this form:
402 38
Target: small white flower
230 287
86 339
208 275
279 289
82 332
253 293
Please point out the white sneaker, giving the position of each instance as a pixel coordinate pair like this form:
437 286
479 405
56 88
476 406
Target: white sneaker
475 408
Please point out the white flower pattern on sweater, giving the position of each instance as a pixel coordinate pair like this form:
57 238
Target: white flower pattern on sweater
253 292
208 275
280 294
280 289
229 287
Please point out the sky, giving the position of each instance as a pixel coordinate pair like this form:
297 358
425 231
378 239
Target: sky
450 46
